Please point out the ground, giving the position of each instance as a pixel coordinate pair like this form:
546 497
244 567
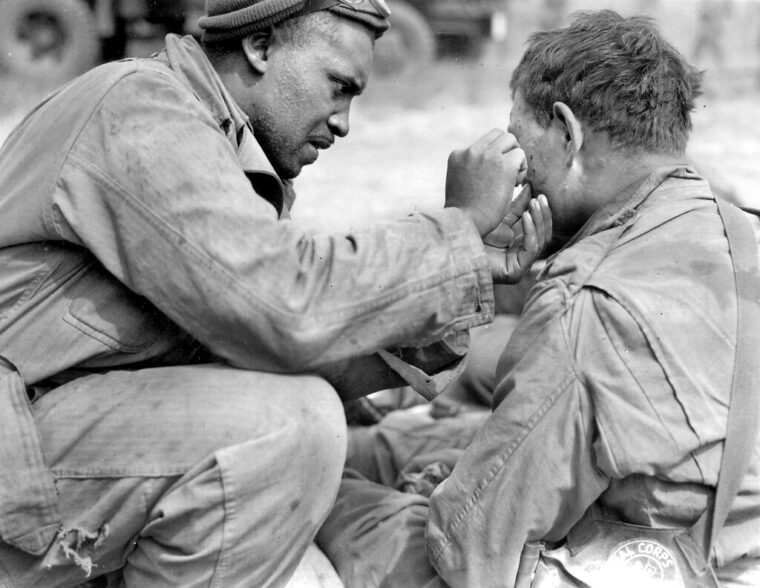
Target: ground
394 159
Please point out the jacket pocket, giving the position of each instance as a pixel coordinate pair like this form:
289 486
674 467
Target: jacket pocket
111 314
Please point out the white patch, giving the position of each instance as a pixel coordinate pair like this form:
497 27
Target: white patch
644 563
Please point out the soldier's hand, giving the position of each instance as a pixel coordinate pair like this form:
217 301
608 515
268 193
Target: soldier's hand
481 178
518 240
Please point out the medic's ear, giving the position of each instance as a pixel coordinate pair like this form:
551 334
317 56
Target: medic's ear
569 126
256 49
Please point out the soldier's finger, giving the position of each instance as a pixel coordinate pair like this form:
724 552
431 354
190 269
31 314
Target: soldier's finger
545 228
530 236
521 201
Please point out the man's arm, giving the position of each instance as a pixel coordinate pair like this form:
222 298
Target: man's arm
162 203
530 473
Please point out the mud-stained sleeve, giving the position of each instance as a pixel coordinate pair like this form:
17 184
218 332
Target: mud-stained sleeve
153 188
529 474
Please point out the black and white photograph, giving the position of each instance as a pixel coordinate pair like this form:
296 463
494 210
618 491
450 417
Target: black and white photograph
379 293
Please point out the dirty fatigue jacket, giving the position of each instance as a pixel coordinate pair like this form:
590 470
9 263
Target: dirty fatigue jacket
612 391
141 224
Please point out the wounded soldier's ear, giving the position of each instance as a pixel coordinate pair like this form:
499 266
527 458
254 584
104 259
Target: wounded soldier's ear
570 127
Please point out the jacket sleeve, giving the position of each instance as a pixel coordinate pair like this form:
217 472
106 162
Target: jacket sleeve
530 473
154 190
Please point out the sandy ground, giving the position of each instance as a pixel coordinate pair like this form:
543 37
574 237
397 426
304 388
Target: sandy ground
402 129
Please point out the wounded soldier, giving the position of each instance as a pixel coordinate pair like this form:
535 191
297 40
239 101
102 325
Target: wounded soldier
622 446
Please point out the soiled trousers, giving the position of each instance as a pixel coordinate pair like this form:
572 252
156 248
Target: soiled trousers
375 534
185 476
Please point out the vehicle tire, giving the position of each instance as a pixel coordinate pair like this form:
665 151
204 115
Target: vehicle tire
53 40
114 46
464 46
408 45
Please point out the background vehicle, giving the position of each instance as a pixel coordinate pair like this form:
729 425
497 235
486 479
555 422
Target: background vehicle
58 39
423 29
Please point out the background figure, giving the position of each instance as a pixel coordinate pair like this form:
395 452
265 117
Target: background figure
710 32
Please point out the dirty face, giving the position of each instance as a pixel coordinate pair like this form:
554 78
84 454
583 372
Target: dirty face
535 141
550 171
308 89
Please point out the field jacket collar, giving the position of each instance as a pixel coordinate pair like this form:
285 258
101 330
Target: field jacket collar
191 65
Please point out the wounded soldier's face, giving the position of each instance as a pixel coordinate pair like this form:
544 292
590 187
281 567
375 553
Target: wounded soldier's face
549 167
535 141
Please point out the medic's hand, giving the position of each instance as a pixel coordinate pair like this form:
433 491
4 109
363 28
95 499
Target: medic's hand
481 178
516 243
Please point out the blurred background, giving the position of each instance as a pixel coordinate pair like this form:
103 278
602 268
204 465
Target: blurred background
441 80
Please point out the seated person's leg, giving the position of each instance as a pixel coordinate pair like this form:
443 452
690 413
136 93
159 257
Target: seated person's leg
375 536
183 476
380 452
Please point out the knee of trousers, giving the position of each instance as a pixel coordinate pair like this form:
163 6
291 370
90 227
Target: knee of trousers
317 437
298 452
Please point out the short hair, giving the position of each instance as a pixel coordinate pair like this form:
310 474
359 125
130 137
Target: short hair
618 75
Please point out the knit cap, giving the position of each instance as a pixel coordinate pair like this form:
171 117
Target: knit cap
234 19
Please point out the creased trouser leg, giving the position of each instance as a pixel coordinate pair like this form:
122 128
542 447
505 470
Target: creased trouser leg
188 476
375 536
380 452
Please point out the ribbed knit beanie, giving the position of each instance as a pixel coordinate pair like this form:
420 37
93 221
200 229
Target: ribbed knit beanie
234 19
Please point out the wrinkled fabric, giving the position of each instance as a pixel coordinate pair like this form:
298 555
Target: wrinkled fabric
143 226
187 476
27 488
375 537
424 481
613 390
375 534
383 451
144 170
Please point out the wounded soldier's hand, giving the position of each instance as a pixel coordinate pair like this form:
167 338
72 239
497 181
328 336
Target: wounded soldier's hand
424 472
518 240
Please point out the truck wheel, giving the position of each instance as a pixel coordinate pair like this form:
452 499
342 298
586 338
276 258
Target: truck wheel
408 45
466 46
50 39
